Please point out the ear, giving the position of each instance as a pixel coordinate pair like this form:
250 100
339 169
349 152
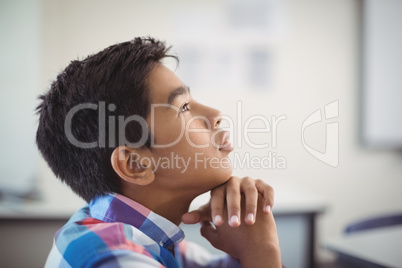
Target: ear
127 163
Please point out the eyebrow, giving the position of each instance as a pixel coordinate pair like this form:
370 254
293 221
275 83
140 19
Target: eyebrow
177 92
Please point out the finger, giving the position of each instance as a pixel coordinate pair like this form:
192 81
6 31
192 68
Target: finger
195 216
268 194
233 198
209 233
251 195
191 217
217 204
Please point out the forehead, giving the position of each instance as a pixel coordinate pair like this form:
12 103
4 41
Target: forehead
162 81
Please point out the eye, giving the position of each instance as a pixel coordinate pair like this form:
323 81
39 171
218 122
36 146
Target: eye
184 107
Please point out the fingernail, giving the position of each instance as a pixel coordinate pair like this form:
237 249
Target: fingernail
268 208
250 217
234 220
217 220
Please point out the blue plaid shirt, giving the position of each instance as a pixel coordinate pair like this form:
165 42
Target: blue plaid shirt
115 231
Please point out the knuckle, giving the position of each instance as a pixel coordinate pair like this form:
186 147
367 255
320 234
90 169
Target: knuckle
270 200
235 178
248 180
233 196
269 197
234 209
217 211
267 188
259 181
252 207
232 180
233 191
270 188
216 208
218 195
251 190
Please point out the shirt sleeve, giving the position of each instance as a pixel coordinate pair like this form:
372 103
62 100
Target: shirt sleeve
124 258
116 258
195 256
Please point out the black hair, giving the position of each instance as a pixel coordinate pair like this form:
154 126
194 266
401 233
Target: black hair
114 77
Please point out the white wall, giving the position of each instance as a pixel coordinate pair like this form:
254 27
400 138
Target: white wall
19 83
314 63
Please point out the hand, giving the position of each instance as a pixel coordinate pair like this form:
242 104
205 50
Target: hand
231 192
254 246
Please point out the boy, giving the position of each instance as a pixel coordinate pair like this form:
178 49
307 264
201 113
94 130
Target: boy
123 132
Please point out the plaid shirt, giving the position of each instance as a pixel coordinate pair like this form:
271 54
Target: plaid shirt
115 231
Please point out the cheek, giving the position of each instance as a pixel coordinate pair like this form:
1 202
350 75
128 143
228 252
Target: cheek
198 135
198 139
181 133
166 131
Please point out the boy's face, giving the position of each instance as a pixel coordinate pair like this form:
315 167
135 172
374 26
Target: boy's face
190 152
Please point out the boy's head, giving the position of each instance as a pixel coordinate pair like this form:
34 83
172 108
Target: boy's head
119 118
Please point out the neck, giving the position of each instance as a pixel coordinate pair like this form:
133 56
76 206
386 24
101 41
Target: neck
168 205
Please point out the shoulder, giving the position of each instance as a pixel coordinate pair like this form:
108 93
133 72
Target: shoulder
89 241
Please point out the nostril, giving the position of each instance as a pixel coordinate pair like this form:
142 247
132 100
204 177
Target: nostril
218 121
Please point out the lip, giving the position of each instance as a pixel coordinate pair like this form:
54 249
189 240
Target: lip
226 145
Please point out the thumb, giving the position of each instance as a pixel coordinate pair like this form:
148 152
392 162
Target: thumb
192 217
195 216
209 233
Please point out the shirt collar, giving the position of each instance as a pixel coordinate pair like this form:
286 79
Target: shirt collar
118 208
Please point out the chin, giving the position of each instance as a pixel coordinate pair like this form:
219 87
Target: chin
224 175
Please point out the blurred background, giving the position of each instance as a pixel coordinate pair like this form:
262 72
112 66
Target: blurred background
270 58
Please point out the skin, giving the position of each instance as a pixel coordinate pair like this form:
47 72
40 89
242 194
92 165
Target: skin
168 191
228 196
254 245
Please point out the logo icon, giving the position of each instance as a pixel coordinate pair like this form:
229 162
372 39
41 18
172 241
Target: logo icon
331 154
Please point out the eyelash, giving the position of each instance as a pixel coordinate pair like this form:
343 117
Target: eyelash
184 107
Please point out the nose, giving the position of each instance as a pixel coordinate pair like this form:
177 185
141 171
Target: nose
213 116
217 119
